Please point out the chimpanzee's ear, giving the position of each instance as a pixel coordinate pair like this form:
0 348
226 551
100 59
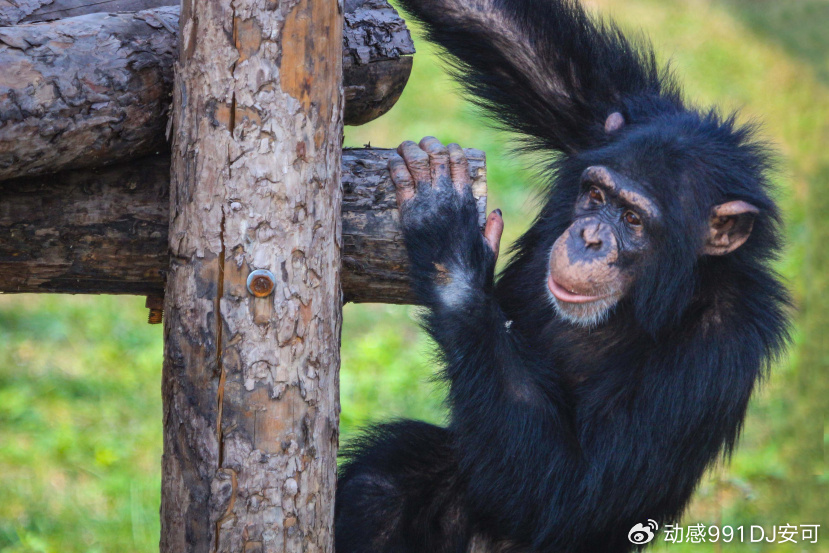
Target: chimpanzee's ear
614 122
729 227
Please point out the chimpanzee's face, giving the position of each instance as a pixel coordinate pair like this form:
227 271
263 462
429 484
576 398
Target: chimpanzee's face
593 263
618 227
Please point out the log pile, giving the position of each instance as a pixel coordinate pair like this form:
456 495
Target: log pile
254 225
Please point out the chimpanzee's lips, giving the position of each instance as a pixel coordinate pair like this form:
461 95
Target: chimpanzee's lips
569 297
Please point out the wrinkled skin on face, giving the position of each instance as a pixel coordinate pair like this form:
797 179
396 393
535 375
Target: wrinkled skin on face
593 263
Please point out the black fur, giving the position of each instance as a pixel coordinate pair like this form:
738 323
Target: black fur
562 438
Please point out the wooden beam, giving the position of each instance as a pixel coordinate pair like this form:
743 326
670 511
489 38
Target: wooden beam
377 59
104 231
95 89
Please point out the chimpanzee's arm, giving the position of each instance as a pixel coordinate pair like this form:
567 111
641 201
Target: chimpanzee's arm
509 413
546 68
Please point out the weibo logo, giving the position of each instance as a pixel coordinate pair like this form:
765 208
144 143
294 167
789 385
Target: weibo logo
641 534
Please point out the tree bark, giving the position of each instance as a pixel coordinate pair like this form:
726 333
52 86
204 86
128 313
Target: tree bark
104 231
377 59
13 12
84 91
376 65
94 90
250 384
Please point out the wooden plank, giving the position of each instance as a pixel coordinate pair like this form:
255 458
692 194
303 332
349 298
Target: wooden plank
104 231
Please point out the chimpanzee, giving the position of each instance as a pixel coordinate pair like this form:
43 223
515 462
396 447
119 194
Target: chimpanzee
614 358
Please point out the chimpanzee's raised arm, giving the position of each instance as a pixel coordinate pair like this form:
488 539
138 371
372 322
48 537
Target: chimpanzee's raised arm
545 67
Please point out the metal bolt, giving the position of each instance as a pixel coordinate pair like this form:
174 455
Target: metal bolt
261 283
156 306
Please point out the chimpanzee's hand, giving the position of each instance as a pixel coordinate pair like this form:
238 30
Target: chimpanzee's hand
447 251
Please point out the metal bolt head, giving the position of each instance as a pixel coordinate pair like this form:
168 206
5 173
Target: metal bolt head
261 283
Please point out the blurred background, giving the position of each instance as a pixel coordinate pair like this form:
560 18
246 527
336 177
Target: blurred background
80 403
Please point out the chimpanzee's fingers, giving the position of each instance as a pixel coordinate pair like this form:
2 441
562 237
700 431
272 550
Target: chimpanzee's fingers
438 160
493 229
404 183
459 167
418 163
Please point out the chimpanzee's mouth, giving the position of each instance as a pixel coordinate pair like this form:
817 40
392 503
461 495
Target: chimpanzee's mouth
562 294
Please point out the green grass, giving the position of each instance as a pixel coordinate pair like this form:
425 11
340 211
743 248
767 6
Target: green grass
80 414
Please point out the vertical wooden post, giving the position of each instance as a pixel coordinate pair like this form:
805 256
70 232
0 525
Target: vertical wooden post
251 383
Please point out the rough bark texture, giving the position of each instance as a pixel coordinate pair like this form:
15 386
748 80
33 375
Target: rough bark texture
84 91
371 90
105 231
13 12
95 89
250 385
81 232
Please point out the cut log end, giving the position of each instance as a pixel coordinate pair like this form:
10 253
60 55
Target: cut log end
372 89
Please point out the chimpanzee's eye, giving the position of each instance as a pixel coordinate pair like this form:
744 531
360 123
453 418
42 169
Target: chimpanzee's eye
632 219
595 195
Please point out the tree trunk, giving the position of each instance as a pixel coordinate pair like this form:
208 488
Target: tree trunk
93 90
250 383
105 231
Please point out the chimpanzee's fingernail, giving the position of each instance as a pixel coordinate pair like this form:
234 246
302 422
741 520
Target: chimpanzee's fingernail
498 211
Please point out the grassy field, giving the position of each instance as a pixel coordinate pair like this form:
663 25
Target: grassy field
80 412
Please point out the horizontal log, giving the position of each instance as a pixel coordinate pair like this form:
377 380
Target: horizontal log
105 231
93 90
13 12
375 41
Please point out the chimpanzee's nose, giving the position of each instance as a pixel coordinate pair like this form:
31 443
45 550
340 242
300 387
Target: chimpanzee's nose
591 236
